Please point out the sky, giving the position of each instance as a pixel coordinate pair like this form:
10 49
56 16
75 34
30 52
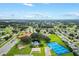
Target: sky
39 11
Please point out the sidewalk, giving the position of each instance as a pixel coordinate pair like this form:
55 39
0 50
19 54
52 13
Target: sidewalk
47 51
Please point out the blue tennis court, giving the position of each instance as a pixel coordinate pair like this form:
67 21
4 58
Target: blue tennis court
58 49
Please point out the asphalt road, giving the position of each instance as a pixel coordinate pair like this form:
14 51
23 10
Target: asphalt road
4 49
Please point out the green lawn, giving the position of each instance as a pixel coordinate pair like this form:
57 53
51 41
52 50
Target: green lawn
16 51
53 53
26 51
68 54
55 38
43 42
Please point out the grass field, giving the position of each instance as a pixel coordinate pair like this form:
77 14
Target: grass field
25 51
16 51
55 38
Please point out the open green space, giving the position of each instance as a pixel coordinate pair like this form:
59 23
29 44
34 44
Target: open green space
27 49
68 54
16 51
55 38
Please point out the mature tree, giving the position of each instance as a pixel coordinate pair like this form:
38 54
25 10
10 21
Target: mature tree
8 30
7 37
35 35
26 40
72 35
77 37
47 39
38 30
15 31
3 33
51 32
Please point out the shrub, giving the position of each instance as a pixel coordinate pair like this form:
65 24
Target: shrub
31 46
41 45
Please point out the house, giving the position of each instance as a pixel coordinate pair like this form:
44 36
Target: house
24 34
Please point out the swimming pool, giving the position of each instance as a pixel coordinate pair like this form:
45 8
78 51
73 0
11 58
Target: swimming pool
58 49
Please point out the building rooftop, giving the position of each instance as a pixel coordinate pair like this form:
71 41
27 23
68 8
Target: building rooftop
24 34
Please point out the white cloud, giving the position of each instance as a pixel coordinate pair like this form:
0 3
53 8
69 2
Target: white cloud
38 16
72 14
76 13
28 4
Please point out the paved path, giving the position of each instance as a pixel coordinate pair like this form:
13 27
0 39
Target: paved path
35 50
47 51
4 49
